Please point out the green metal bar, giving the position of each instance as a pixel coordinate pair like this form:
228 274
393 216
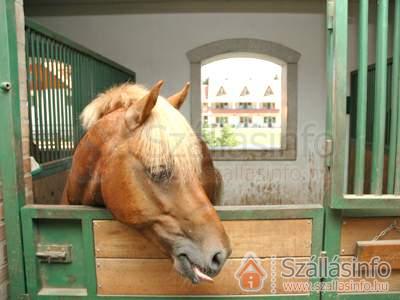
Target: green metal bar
61 90
70 101
29 253
394 151
339 86
63 151
88 83
38 67
361 98
83 90
88 237
53 101
58 99
378 141
75 96
329 75
29 75
273 212
35 96
361 213
79 96
369 202
67 101
49 100
53 167
331 246
43 96
11 165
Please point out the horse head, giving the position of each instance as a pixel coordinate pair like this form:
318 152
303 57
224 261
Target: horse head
152 172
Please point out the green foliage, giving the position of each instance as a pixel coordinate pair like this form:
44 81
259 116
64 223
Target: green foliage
225 138
210 137
228 138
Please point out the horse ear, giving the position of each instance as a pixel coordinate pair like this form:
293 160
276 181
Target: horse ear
140 110
178 99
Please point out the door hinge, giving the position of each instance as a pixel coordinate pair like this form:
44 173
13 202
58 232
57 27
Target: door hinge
330 13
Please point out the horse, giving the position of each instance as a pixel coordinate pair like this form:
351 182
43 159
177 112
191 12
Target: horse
141 160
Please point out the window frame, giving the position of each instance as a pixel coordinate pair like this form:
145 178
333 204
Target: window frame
273 50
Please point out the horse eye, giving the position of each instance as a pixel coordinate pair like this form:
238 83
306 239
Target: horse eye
162 174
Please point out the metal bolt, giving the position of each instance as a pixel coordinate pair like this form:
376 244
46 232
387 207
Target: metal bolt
5 86
342 251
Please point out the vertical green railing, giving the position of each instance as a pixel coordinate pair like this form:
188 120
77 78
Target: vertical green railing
361 97
394 147
63 77
339 84
378 141
374 164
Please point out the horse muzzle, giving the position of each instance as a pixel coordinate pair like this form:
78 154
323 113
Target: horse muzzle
199 267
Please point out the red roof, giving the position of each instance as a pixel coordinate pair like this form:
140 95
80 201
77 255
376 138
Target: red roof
241 111
44 78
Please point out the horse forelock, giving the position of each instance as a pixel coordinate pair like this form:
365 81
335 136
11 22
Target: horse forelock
165 140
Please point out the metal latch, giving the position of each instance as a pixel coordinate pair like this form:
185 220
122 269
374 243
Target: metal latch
60 254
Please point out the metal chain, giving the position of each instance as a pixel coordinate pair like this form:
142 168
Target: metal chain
393 226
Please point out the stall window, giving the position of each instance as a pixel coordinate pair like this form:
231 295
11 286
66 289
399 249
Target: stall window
244 96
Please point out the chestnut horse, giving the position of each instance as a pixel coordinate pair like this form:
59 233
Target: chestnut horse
142 160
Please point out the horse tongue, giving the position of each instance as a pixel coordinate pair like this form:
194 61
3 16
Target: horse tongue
201 275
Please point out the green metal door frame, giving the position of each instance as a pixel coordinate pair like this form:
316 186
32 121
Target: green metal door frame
11 166
337 95
337 204
33 217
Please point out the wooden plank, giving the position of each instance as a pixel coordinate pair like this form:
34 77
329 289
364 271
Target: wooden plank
48 190
363 229
358 284
157 277
279 238
387 250
114 239
266 238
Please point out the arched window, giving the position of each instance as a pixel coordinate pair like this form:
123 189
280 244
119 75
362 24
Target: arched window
244 98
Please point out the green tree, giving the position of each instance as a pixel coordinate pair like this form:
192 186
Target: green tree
228 137
209 136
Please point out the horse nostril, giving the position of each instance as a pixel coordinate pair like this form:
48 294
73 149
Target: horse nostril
217 261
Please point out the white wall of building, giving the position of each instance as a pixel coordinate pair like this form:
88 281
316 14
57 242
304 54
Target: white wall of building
155 46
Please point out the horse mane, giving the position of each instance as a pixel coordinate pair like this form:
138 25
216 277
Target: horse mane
165 140
114 98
